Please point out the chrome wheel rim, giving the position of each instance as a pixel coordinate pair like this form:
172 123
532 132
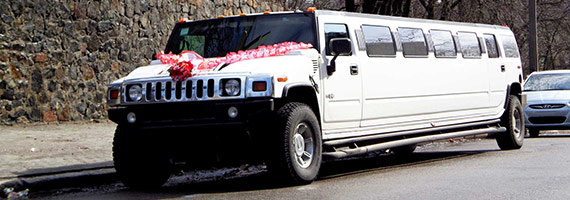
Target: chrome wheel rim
517 123
303 145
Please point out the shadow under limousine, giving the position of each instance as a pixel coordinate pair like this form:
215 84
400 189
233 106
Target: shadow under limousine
329 170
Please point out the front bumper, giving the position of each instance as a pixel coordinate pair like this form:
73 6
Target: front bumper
192 114
547 118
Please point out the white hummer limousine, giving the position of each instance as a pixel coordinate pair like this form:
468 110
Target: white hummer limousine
368 83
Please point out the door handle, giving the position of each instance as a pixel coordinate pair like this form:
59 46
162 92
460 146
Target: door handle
502 68
354 70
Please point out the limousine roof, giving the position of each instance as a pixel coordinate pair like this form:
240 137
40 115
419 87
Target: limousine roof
392 18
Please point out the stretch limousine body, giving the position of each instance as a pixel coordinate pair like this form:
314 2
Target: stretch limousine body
321 84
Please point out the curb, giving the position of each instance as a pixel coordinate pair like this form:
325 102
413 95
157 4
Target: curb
60 180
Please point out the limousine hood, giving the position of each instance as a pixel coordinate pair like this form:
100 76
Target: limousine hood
553 96
294 63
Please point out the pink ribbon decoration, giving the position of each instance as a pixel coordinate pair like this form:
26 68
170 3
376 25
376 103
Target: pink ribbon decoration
190 63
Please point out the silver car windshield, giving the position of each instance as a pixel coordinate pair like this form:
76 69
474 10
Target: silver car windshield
540 82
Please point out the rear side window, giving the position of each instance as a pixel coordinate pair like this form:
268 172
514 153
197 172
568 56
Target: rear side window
443 44
334 31
379 41
491 44
413 41
469 45
510 47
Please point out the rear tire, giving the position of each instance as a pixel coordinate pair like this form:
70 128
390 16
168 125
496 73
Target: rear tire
297 145
533 132
139 162
513 120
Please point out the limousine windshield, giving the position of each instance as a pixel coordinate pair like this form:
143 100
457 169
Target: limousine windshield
215 38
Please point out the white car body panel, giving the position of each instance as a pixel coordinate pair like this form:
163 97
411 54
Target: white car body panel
399 93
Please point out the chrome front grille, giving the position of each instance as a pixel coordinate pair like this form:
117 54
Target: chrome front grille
167 90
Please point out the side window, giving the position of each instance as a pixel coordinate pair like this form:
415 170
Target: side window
491 44
510 46
469 45
443 44
379 41
334 31
413 41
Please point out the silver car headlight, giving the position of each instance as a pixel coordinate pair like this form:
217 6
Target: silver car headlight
232 87
135 93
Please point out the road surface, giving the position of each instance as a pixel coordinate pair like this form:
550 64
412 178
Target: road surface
468 170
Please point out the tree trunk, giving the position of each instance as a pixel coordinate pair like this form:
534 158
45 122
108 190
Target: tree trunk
406 9
350 5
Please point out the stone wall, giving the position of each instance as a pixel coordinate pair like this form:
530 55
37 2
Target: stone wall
57 56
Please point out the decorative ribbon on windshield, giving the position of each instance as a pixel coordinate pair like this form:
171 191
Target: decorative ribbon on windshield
190 63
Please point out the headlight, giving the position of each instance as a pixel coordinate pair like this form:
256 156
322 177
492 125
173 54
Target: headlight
232 87
135 93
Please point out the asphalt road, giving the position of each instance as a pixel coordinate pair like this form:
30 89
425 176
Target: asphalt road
469 170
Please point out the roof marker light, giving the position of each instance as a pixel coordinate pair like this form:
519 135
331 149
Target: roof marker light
311 9
183 20
242 14
282 79
266 12
220 16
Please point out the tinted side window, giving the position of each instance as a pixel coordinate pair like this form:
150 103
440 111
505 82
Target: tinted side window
334 31
510 46
443 43
491 44
413 41
469 44
379 41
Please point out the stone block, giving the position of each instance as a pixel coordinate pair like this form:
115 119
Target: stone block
49 116
41 57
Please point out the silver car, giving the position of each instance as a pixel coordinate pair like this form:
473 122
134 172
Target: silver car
548 101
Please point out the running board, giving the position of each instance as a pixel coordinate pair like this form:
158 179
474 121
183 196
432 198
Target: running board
337 142
403 142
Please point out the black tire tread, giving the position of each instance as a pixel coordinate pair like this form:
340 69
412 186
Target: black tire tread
280 164
506 140
124 159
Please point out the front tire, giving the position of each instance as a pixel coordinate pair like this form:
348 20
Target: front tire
297 145
513 120
139 161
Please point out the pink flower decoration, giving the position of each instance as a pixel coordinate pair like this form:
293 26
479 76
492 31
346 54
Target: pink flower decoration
190 63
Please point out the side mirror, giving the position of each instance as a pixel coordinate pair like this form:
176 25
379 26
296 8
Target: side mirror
339 46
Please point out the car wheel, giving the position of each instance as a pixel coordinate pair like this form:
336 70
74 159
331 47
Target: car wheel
137 163
297 156
512 119
533 132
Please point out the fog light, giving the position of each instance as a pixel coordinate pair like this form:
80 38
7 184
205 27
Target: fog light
131 117
232 112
